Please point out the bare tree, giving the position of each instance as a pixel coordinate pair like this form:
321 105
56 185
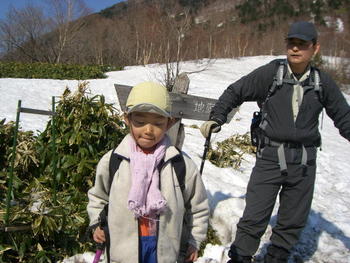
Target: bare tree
65 21
178 26
22 30
32 34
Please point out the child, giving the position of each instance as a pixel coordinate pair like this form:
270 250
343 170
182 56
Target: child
149 216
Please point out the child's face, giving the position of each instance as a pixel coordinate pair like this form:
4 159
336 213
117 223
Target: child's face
148 129
300 52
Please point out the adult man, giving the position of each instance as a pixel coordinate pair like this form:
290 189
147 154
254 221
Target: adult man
286 157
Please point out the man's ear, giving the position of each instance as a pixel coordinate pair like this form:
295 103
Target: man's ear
127 119
316 48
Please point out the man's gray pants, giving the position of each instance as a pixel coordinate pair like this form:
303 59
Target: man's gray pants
295 197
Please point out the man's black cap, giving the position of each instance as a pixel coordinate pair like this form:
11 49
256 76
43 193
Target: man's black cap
302 30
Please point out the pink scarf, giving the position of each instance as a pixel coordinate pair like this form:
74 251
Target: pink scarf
145 198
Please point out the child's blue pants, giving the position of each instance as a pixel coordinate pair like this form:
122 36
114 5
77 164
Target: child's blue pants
148 249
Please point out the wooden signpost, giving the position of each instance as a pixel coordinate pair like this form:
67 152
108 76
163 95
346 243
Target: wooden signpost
183 106
177 132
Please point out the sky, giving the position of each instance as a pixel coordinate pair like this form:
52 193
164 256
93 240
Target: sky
94 5
326 237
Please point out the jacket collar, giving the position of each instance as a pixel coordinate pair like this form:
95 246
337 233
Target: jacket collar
123 149
303 77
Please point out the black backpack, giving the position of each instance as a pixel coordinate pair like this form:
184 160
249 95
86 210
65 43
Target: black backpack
114 162
256 131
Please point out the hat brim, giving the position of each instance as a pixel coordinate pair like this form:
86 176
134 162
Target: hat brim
299 36
145 107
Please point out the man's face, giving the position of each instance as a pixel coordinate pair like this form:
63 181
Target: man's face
300 52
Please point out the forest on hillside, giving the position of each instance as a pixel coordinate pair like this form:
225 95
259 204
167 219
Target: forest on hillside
137 32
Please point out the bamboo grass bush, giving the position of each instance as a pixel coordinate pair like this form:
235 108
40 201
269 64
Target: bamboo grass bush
86 128
230 152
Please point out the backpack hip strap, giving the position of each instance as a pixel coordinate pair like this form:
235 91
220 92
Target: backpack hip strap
281 154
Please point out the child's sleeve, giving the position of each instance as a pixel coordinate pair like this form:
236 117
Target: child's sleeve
98 194
196 204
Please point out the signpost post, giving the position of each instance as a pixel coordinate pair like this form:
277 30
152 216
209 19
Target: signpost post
12 164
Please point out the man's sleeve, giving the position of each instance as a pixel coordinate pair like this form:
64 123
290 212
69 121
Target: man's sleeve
252 87
337 107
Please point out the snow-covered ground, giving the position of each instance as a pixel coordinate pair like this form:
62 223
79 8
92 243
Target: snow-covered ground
326 237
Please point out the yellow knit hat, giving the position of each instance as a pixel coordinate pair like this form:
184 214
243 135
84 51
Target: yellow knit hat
149 97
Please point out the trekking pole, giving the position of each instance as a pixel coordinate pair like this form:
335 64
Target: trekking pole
99 252
206 148
100 247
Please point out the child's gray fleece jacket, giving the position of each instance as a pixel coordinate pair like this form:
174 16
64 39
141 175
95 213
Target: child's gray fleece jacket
192 204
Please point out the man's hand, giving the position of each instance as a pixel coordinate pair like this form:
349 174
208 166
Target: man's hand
99 235
208 126
192 254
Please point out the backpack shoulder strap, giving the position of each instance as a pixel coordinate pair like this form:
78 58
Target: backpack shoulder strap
114 163
280 73
314 83
180 169
277 80
319 91
317 84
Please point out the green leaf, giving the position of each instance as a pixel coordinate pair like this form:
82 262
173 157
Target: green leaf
3 249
